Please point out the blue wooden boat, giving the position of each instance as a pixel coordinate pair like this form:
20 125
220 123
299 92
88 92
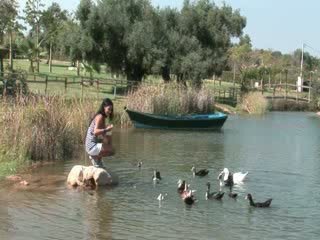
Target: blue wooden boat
191 121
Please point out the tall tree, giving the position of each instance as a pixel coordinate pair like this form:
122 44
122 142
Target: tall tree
119 33
8 15
212 28
242 59
133 37
51 22
29 49
69 42
33 12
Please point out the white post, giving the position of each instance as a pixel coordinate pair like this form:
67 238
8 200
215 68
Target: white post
300 78
301 67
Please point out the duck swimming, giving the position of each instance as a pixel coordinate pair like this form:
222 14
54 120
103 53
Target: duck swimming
258 204
181 186
232 194
213 195
156 176
228 182
200 173
232 178
139 165
161 196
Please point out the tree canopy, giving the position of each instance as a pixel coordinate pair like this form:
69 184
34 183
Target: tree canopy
133 37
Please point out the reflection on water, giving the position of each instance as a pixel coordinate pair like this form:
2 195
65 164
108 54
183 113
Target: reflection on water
280 150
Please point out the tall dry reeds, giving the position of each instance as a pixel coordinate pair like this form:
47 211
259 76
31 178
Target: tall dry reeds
43 128
171 99
254 103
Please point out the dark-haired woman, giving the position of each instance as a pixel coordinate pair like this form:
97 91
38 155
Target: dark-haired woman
98 141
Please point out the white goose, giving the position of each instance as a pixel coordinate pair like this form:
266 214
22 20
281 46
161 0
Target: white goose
234 178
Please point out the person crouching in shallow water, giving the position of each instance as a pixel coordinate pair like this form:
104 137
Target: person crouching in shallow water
98 141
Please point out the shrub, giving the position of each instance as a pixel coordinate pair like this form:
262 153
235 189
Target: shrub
13 84
315 95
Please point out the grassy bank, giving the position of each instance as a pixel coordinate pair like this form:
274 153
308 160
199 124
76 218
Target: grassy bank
59 68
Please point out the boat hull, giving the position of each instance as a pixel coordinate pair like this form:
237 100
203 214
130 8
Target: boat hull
194 121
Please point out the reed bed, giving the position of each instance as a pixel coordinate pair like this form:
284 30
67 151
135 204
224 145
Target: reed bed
42 128
254 103
171 99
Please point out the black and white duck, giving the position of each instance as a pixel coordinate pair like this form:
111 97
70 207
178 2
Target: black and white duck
232 178
213 195
181 186
228 181
156 176
258 204
139 165
161 196
200 173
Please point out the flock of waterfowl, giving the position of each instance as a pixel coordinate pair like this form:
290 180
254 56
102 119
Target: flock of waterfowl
226 179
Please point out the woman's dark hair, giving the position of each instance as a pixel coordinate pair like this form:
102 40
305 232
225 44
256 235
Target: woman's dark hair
106 102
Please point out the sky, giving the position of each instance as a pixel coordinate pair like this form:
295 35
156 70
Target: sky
278 25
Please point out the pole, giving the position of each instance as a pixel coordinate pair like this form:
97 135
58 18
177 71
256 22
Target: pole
301 67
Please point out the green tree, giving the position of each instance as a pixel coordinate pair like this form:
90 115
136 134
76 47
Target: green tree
33 12
68 40
119 33
245 40
29 49
51 21
310 62
8 15
242 60
208 29
131 36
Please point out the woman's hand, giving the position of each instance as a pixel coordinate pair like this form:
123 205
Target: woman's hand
109 127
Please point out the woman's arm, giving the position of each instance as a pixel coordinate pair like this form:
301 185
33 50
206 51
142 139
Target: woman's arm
100 126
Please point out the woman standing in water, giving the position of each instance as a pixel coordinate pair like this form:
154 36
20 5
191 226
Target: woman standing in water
98 141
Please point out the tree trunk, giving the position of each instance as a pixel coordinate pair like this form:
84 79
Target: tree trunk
1 64
10 51
134 76
78 68
31 66
50 58
38 48
165 72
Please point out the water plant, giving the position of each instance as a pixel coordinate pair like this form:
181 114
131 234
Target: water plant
171 98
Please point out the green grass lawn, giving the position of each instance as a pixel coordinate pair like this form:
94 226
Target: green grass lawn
61 72
59 68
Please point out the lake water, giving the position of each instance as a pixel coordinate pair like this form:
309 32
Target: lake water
281 151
